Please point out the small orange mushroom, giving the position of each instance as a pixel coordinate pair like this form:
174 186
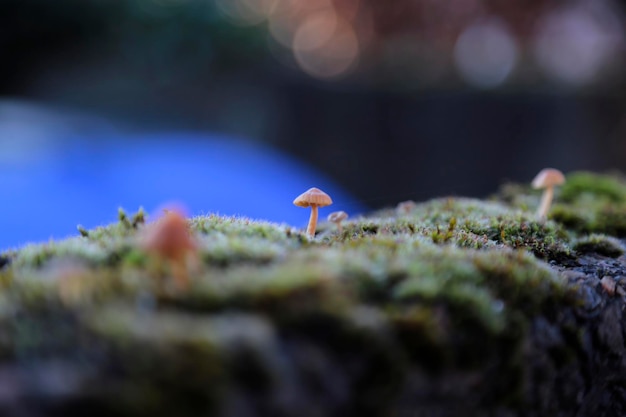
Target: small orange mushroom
337 217
169 239
314 198
547 179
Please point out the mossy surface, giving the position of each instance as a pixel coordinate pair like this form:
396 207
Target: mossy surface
586 203
448 284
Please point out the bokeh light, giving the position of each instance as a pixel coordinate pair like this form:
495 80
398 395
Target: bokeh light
365 81
288 15
325 46
485 42
574 44
319 34
316 31
486 53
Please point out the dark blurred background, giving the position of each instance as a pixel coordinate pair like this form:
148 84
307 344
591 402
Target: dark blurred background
382 101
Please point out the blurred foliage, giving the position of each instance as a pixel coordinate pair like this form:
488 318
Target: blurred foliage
422 40
187 36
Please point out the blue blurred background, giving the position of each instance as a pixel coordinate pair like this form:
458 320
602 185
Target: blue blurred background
237 106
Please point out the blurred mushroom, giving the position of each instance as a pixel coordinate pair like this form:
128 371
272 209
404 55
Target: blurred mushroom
405 207
547 179
169 239
314 198
337 217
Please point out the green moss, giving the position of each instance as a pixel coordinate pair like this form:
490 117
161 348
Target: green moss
582 186
609 219
83 232
600 244
245 227
586 203
431 254
452 280
572 218
170 352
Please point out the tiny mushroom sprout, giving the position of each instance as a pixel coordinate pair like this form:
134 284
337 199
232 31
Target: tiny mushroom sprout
547 179
314 198
337 217
406 207
170 240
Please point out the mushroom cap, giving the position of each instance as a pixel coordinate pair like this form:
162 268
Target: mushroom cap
548 177
406 206
337 216
313 197
169 236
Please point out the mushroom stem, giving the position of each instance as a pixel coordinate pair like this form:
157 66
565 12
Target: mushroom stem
339 227
312 221
546 200
179 271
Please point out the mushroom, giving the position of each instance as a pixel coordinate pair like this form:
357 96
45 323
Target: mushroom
406 207
169 239
547 179
337 217
314 198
